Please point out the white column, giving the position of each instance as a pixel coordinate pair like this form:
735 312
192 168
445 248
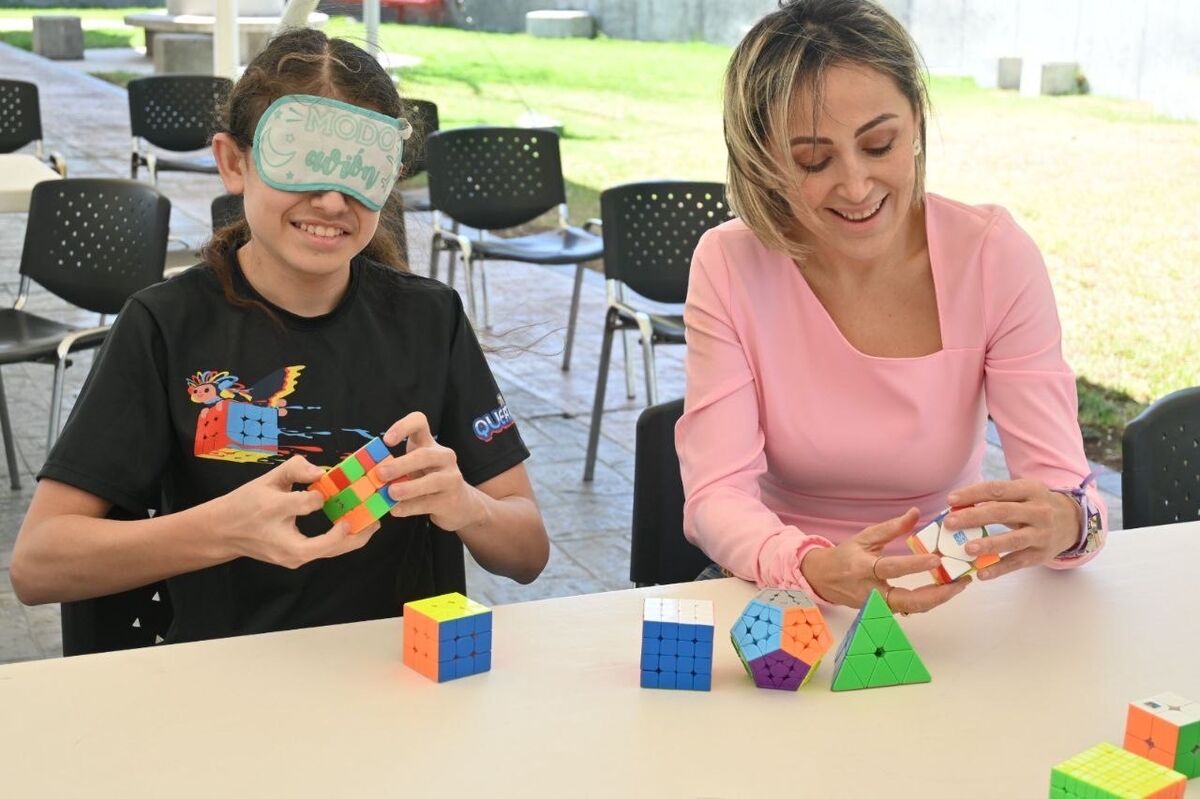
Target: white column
295 14
370 9
225 39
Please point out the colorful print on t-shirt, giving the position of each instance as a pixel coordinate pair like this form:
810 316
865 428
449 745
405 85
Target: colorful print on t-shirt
241 424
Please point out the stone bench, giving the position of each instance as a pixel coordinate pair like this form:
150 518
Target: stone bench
58 37
1049 77
183 53
560 24
253 32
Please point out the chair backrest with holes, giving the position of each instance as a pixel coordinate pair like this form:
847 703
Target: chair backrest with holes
1160 473
176 112
494 178
20 115
95 241
651 230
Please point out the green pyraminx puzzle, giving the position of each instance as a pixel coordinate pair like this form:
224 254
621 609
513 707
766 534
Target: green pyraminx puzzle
876 652
1109 771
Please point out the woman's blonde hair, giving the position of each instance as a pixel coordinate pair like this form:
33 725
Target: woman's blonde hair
792 49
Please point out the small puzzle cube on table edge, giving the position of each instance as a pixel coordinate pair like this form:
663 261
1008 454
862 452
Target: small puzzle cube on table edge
447 637
1166 729
677 643
1106 770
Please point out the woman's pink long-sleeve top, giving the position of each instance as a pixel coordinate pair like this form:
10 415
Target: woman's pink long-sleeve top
792 439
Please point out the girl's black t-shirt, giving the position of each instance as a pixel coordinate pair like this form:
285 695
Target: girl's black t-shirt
191 397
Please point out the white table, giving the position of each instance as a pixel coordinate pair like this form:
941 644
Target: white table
1026 672
19 173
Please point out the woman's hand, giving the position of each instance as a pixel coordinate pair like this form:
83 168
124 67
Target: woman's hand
258 519
846 573
1042 522
430 482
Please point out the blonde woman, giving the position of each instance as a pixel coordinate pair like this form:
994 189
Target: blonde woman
849 334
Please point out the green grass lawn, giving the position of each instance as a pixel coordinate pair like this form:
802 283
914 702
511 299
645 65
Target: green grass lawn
1108 190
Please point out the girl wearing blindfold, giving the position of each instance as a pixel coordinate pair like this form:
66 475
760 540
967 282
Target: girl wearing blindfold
297 340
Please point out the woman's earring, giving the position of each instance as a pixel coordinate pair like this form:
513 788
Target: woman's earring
916 147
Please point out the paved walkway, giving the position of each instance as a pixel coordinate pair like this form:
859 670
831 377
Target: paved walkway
87 120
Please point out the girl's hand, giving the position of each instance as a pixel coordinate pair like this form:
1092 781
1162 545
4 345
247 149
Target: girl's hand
430 482
258 519
846 573
1042 522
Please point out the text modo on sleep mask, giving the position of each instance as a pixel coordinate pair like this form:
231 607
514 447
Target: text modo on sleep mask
308 143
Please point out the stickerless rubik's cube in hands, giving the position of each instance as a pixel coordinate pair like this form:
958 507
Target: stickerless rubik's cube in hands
447 636
781 638
677 643
354 491
1166 729
950 545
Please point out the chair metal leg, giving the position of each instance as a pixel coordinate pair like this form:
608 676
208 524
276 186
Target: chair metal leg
589 463
470 276
451 257
571 319
487 311
10 446
56 396
435 245
629 390
647 332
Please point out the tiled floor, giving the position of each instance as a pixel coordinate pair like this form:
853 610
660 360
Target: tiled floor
87 120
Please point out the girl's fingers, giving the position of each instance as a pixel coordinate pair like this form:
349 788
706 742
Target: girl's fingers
414 427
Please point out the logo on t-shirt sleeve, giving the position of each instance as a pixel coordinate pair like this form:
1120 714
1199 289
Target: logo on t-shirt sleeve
494 421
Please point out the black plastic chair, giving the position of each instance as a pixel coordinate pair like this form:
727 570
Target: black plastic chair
498 178
650 232
128 620
21 122
142 616
423 116
227 209
176 113
92 242
659 553
1160 474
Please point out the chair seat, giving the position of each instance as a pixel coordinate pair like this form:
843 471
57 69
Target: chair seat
25 336
570 245
201 163
668 329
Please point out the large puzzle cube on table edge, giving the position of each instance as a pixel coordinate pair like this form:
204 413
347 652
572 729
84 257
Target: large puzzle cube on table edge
780 638
950 545
353 490
237 431
875 652
447 637
1166 729
1109 771
677 643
